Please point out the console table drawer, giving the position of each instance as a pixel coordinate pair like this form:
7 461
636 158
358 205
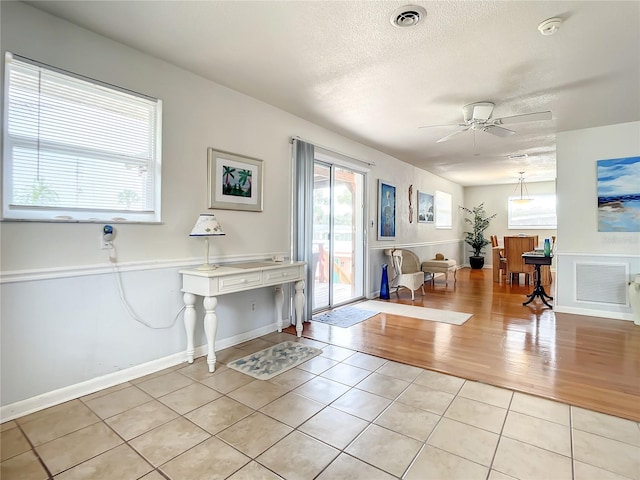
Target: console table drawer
282 275
241 281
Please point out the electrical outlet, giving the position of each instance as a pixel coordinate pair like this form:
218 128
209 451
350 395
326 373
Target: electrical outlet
104 245
253 306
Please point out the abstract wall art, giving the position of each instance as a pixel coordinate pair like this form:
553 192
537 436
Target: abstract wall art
619 195
386 210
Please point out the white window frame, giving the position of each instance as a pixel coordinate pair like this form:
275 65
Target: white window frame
534 209
149 212
444 210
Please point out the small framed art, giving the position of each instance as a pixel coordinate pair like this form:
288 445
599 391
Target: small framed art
234 181
425 207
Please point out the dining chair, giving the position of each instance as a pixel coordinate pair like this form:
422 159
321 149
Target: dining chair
499 260
514 247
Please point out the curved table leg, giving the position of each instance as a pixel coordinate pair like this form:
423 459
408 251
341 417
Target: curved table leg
210 327
538 291
189 322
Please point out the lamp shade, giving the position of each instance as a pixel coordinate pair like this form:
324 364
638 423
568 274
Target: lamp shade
206 225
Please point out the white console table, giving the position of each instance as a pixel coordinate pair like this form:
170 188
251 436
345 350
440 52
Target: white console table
233 278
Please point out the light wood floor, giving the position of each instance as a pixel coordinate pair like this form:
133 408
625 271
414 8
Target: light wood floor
589 362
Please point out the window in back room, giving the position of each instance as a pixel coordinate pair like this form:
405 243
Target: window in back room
539 213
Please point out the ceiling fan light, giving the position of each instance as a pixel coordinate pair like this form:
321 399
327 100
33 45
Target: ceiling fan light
478 117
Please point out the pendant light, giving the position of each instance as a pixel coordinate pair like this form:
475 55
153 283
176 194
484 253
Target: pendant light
523 188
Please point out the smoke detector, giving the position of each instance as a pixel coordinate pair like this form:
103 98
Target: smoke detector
550 26
408 16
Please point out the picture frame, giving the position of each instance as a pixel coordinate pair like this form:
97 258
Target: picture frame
426 208
386 210
618 194
234 181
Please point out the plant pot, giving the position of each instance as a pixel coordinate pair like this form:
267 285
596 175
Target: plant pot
476 262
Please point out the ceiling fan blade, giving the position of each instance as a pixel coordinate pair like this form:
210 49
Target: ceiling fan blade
451 135
482 111
445 125
526 117
498 131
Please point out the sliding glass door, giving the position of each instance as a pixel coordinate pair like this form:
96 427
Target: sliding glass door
338 235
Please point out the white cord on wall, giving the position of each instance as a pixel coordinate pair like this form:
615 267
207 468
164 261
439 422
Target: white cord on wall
114 263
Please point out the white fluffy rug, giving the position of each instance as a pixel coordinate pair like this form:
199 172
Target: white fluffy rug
423 313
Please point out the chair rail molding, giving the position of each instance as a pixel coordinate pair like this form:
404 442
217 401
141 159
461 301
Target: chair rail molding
414 244
28 275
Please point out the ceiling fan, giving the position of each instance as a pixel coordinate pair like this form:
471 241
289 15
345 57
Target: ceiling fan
477 117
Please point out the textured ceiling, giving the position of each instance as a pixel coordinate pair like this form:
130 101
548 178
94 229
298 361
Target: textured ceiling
342 65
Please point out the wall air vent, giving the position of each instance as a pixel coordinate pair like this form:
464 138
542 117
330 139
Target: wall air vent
602 283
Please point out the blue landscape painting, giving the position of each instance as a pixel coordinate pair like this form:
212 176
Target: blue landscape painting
619 195
387 205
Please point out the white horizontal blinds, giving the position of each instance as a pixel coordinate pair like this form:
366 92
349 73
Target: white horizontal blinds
77 145
444 212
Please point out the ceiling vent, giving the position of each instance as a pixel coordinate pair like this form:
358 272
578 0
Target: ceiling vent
550 26
408 16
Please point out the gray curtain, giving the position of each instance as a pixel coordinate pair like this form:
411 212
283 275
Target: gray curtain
303 161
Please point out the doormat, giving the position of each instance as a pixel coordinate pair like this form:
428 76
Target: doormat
345 317
274 360
422 313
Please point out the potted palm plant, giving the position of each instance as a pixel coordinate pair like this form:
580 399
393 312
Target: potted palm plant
479 221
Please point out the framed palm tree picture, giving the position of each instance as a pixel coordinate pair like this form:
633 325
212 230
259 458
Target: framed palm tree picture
234 181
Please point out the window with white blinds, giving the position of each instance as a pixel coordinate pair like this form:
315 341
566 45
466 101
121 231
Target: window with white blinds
538 213
76 149
444 212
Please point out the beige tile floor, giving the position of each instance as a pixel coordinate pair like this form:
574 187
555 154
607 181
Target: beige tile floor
341 415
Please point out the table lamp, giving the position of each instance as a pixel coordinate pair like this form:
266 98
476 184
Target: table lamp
206 226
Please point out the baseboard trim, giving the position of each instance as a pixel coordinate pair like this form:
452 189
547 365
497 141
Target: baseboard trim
61 395
594 313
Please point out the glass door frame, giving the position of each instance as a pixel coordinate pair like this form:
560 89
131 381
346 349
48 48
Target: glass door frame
359 253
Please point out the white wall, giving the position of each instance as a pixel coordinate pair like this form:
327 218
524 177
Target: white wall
495 199
579 241
423 238
62 322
